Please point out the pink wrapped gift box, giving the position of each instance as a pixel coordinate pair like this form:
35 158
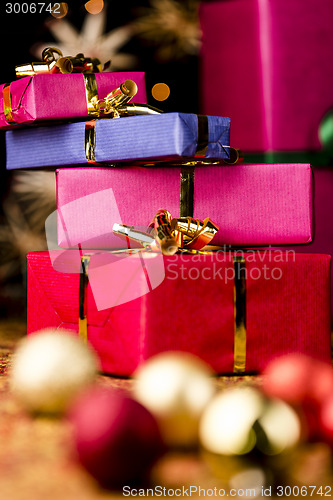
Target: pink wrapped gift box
60 96
235 312
252 204
270 66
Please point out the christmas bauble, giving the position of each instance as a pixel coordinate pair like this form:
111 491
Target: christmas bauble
49 368
175 387
117 439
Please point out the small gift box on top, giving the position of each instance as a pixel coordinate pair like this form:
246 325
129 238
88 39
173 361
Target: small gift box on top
67 91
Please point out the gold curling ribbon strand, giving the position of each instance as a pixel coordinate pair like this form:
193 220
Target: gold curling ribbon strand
235 157
239 314
90 84
54 62
193 233
115 99
83 323
171 235
7 103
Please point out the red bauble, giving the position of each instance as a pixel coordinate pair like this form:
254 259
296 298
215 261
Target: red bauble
326 419
321 383
117 439
288 378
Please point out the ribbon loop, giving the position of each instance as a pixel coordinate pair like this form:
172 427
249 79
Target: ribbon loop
115 99
171 235
55 62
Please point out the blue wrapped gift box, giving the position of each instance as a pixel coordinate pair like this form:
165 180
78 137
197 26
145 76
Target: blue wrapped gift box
160 137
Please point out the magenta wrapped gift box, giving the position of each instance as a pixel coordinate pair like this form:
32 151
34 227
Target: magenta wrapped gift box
252 204
186 303
268 69
60 96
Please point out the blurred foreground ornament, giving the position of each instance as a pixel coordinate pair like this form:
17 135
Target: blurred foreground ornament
117 439
305 383
326 419
287 377
240 429
247 438
226 426
49 368
176 388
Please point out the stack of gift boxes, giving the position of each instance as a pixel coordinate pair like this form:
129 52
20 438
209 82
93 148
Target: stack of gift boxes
163 182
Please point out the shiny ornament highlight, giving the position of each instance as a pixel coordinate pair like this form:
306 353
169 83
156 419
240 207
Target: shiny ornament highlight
116 438
49 368
175 387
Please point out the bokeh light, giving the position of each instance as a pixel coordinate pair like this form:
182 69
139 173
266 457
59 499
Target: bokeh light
160 91
226 426
94 6
60 10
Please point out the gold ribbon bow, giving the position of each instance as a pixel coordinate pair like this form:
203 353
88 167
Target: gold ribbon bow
114 102
170 235
54 62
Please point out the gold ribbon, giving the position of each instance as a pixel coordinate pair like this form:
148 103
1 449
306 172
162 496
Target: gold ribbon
7 103
187 191
171 235
91 92
183 233
112 104
239 314
83 324
89 134
54 62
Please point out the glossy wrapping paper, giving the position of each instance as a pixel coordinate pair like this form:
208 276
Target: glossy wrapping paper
286 306
60 96
172 136
268 69
252 204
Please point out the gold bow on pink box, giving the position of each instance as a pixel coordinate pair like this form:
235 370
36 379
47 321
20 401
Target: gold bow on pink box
170 235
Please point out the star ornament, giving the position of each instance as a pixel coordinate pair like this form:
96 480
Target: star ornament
92 40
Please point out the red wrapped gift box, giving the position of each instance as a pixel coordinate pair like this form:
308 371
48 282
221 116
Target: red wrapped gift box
235 311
